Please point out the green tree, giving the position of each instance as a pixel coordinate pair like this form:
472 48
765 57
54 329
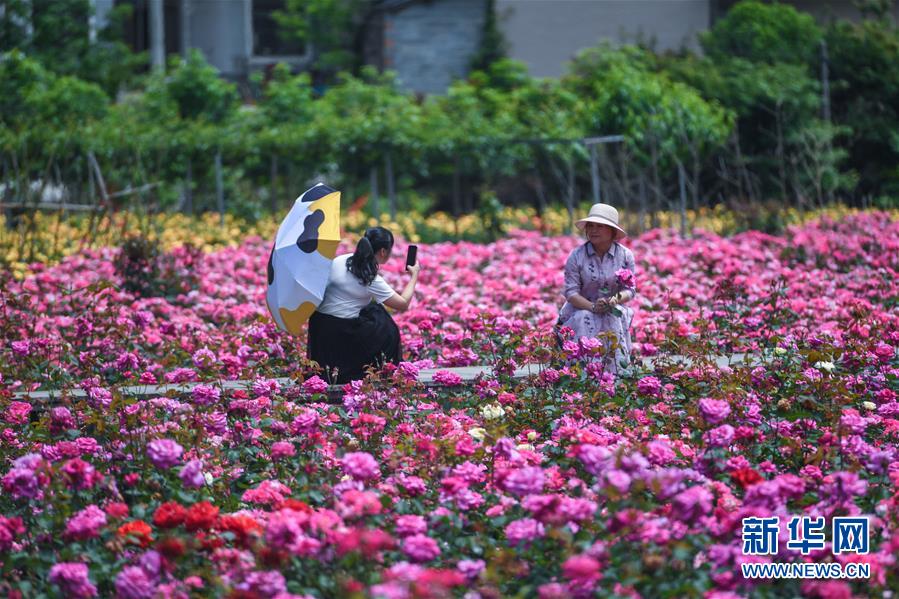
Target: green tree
333 29
864 66
664 121
493 46
763 32
198 91
57 34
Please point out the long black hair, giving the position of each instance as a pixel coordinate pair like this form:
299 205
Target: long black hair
362 263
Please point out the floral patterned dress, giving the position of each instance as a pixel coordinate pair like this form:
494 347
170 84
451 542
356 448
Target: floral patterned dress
594 277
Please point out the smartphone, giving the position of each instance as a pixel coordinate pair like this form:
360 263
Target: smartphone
411 255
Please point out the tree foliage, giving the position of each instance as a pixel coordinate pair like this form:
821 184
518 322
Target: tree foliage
750 105
56 33
763 32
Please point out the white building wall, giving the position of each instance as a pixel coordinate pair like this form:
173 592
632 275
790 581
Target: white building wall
220 29
546 34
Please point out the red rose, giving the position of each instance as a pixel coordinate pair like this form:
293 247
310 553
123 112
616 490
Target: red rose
373 541
137 531
201 516
746 477
209 542
353 586
169 515
116 510
271 558
241 526
296 505
171 547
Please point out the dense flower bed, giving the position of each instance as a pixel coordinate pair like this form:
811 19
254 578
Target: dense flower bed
569 484
48 238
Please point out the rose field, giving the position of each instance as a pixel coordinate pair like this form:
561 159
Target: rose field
567 483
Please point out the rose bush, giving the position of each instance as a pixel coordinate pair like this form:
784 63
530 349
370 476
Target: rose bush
565 484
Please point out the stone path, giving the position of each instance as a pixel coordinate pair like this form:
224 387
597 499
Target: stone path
425 376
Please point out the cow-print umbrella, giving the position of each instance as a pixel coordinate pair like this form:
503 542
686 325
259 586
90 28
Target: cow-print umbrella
300 261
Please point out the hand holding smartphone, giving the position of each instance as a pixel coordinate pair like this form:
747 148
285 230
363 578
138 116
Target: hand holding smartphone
411 255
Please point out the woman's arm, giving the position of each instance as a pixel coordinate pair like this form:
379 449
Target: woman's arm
582 303
401 301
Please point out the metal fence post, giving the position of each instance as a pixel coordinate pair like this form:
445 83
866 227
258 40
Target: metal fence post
682 183
375 201
391 184
594 174
219 187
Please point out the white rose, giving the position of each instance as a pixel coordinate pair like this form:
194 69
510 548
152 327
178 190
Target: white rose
828 366
492 411
477 433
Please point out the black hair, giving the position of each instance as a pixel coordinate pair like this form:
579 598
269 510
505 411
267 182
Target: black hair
362 263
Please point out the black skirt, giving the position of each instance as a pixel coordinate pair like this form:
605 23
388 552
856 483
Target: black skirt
348 345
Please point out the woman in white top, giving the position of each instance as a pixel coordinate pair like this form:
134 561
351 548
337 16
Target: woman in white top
350 329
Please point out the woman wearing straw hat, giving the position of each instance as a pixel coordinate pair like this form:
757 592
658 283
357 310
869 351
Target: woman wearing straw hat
599 281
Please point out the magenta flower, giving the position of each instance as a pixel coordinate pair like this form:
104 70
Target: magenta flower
265 584
281 450
525 481
471 569
191 474
625 278
204 395
21 348
447 378
21 483
314 384
80 474
524 531
72 580
884 351
360 465
204 358
649 385
619 480
61 419
269 492
306 422
843 486
86 524
714 411
720 436
164 453
692 504
10 528
411 524
581 568
421 548
99 398
17 412
133 583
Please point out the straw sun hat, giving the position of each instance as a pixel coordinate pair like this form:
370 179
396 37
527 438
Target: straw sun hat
603 214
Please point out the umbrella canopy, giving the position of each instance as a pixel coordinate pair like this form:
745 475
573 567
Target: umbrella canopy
300 262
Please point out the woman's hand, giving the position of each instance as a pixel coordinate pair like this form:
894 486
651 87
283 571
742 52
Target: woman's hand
414 269
600 306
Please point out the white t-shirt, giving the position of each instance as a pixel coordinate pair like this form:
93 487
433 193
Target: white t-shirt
345 295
